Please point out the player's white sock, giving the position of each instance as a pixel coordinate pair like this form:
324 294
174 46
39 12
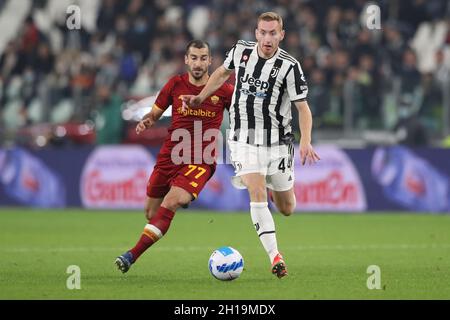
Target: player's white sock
265 227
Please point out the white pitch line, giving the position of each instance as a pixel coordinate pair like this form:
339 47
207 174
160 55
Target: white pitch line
334 247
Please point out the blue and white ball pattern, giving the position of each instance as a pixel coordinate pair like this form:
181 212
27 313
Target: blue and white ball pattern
226 263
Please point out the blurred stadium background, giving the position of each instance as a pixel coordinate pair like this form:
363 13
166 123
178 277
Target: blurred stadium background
70 99
67 92
362 82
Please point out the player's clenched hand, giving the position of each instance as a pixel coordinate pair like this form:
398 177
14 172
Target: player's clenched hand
191 101
143 125
307 153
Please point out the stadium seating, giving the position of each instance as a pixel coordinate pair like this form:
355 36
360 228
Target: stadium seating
357 77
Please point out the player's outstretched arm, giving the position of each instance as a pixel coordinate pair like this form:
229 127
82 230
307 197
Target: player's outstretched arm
149 119
215 81
307 152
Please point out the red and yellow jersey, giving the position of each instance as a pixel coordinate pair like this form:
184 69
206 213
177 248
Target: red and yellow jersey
195 121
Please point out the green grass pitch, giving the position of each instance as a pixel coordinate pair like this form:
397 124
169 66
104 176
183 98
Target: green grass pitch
327 256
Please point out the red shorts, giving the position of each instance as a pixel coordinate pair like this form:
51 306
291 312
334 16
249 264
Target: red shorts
190 177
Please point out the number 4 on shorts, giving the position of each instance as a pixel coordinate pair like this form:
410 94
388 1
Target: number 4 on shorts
282 165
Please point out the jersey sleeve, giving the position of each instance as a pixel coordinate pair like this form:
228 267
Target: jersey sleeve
297 87
229 59
229 89
164 99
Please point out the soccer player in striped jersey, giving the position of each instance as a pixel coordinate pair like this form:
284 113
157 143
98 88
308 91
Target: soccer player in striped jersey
268 80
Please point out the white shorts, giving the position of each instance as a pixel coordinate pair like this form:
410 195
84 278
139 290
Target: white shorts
276 163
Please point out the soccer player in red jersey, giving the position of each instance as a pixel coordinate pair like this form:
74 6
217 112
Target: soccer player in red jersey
178 177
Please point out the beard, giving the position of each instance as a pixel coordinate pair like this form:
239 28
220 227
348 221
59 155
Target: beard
198 73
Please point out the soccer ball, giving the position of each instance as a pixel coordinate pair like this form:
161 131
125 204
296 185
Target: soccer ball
226 263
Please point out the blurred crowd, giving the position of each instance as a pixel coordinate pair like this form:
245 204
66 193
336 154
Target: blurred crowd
359 78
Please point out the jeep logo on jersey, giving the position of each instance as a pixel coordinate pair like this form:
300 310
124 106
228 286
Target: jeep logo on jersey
262 85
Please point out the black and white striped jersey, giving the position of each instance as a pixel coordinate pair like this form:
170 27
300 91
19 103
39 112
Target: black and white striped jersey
260 111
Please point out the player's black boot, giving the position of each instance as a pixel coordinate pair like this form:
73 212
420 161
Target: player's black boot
124 261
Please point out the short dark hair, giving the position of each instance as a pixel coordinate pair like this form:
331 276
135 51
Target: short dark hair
199 44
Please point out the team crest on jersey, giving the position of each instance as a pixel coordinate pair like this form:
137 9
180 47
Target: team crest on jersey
274 72
215 99
244 61
237 165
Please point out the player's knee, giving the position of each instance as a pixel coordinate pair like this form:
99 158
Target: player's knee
257 193
174 202
170 203
183 201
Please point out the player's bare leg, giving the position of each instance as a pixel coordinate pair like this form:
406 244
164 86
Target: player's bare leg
157 226
285 201
151 206
256 186
176 198
263 220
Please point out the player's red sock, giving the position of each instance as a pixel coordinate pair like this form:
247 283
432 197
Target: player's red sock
157 227
162 219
